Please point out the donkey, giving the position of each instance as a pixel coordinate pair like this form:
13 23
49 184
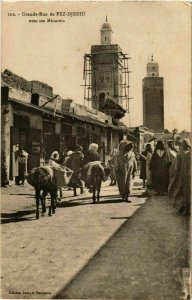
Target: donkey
42 179
98 174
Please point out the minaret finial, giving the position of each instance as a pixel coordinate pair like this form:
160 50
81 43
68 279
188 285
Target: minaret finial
106 18
152 57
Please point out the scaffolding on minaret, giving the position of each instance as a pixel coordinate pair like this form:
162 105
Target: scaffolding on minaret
87 79
125 80
90 74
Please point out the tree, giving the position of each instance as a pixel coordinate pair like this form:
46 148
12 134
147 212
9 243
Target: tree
174 131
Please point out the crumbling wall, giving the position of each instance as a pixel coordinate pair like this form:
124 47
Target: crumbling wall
20 83
41 88
16 81
20 95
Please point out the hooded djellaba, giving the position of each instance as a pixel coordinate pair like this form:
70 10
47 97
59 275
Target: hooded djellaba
125 166
171 150
21 157
91 159
54 160
75 162
145 158
180 179
160 163
92 154
111 165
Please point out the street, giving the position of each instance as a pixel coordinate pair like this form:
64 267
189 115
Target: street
110 250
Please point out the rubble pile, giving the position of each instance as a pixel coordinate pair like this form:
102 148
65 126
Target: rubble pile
16 81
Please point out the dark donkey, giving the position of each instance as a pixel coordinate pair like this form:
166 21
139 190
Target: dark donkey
98 174
42 180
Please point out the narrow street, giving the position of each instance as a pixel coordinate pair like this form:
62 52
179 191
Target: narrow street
110 250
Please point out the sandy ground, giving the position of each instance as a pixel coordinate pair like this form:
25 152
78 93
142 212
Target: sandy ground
111 250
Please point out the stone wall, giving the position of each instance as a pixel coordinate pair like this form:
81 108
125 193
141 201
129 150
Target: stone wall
20 83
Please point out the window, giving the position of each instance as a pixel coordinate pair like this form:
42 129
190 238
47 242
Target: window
35 99
101 100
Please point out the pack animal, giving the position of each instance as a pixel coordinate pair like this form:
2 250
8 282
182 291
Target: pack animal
98 174
42 179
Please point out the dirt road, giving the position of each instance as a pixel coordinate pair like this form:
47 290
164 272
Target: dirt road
111 250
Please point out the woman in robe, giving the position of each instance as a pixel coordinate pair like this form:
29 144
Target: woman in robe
148 169
92 154
75 162
125 166
92 158
145 158
21 157
171 150
180 179
54 160
68 154
159 166
111 165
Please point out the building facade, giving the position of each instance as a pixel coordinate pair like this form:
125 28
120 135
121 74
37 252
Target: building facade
153 98
43 122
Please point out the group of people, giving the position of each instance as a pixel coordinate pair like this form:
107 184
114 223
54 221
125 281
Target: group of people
168 171
75 160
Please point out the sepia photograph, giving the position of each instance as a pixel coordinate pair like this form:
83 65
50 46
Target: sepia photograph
96 150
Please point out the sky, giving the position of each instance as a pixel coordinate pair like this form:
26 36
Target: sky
53 52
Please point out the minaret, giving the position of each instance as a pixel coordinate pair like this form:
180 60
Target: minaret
153 98
106 69
152 68
106 32
106 76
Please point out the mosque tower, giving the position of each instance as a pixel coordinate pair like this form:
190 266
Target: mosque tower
153 98
106 76
106 33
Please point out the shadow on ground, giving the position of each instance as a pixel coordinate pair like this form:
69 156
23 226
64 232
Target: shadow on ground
23 194
18 216
89 268
88 200
139 261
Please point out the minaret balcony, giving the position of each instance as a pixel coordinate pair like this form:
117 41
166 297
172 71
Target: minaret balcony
113 109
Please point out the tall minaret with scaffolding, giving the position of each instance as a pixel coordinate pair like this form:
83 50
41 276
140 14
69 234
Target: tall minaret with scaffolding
153 98
106 76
